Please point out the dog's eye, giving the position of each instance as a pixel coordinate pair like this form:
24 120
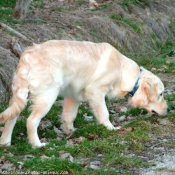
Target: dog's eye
161 94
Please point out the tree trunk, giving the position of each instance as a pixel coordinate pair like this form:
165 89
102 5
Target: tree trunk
21 9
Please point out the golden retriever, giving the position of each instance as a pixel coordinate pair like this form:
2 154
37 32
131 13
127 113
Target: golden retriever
79 71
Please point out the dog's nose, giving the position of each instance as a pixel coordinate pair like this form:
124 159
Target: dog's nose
168 109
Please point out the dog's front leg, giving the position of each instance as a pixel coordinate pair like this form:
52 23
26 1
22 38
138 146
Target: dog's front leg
70 108
97 102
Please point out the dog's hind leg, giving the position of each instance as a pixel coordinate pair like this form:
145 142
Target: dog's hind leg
70 108
41 105
7 132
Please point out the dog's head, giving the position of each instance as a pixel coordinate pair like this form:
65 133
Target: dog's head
150 94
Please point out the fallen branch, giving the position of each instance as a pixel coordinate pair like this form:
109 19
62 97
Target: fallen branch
15 32
15 47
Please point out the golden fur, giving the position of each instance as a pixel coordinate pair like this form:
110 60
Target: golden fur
79 71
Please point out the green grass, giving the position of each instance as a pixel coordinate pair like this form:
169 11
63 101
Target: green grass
104 6
123 161
6 11
136 2
38 4
7 3
134 26
161 62
78 23
79 2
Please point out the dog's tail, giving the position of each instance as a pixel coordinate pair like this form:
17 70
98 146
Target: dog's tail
20 92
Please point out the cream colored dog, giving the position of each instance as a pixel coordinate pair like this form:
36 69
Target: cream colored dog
79 71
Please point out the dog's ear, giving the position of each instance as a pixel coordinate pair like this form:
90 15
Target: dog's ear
147 92
146 88
150 89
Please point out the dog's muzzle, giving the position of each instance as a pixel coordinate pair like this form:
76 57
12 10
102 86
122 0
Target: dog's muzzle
167 110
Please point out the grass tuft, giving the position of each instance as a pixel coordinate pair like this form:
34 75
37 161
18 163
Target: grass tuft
134 26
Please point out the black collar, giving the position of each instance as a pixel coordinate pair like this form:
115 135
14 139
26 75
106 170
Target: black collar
136 86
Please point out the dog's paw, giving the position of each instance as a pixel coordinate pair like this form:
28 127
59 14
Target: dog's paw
5 142
67 130
111 127
43 144
39 145
118 127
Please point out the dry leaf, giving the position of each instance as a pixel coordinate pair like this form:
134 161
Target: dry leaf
84 164
20 135
2 159
70 142
129 129
61 152
45 124
70 170
93 136
75 141
79 139
93 4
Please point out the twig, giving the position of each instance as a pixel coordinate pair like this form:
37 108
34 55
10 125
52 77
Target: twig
14 32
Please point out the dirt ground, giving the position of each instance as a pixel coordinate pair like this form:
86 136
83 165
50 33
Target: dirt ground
161 151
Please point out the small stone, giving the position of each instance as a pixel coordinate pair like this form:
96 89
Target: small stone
20 166
164 121
121 109
67 156
95 165
89 118
120 119
27 157
57 131
153 69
